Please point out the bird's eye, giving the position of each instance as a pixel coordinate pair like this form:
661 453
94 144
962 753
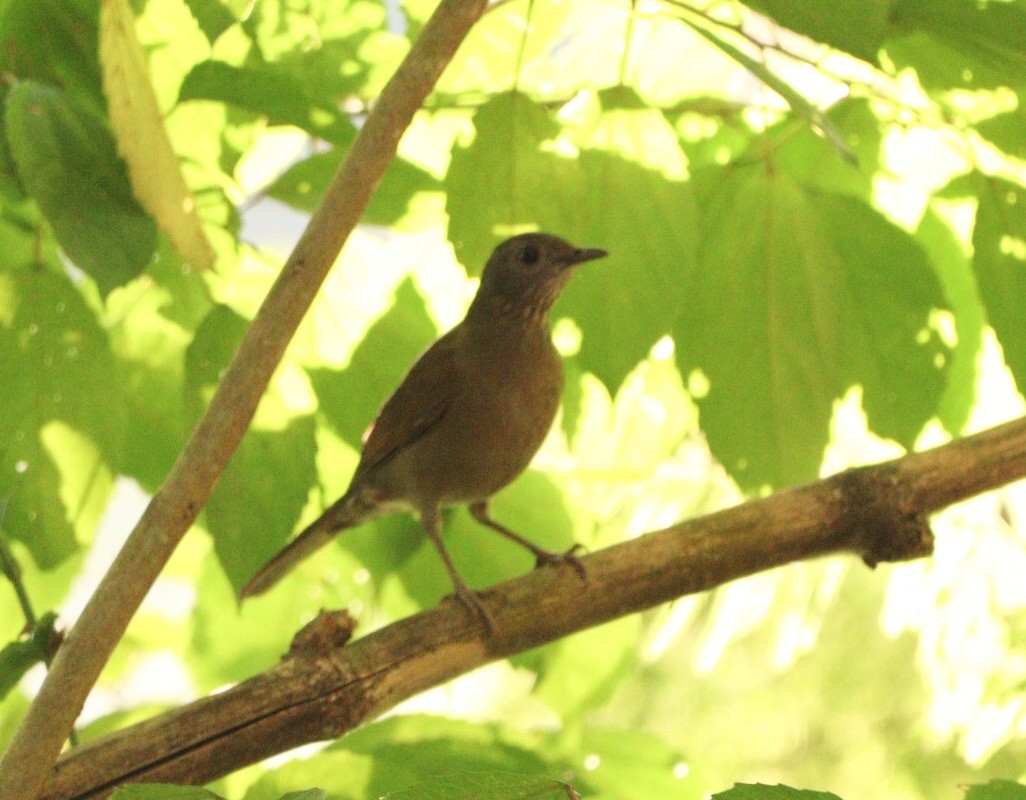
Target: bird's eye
530 255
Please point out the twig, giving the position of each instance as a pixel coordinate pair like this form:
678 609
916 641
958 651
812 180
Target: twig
12 570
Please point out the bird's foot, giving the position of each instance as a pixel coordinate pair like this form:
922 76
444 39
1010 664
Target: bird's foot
472 602
546 557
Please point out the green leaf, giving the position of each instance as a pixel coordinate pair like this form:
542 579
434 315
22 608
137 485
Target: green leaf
997 790
303 185
271 91
162 791
521 186
1007 131
336 50
952 264
406 749
992 35
17 658
213 16
20 242
581 672
54 42
819 121
259 497
339 774
797 297
891 344
625 303
61 416
558 49
152 321
999 260
67 161
350 398
860 34
308 794
482 785
263 489
231 643
809 159
633 763
209 354
760 791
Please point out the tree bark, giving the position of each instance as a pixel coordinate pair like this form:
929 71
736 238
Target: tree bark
325 687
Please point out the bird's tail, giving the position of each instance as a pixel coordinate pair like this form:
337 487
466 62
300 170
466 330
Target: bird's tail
351 509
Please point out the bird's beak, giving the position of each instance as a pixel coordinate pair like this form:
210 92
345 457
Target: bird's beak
584 254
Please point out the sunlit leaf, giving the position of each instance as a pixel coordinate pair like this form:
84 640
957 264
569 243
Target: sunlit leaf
350 398
264 487
504 182
622 304
797 297
272 92
213 16
859 34
950 260
142 141
625 303
1007 131
584 670
153 321
999 261
263 490
60 414
408 749
621 762
808 158
813 115
303 184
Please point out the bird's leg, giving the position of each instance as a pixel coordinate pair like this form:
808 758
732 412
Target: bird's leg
479 511
432 523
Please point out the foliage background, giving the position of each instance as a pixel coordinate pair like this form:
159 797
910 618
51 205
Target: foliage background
817 230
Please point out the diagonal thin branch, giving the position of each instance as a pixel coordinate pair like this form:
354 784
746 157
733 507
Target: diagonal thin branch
33 751
323 689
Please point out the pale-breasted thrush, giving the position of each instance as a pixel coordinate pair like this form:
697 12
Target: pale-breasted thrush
467 418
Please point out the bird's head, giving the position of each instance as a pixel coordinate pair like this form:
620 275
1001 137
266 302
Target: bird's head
527 272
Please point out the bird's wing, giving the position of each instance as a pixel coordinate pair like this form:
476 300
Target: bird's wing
420 403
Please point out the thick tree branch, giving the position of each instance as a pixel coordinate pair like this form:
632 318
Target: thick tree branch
322 689
28 760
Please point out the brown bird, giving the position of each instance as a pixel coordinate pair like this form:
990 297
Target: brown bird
467 418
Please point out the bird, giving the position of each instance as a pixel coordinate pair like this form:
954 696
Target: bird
468 417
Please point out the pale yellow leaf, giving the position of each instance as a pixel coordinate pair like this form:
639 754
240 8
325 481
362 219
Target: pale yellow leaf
153 168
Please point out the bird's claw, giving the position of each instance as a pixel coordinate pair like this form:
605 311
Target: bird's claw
472 602
546 557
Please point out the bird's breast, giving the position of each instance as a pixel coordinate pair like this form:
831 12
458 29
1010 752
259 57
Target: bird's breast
501 417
